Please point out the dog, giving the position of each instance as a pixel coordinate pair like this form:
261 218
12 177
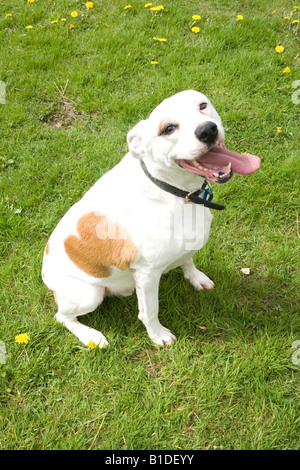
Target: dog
147 215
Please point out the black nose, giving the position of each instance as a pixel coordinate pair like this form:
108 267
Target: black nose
207 133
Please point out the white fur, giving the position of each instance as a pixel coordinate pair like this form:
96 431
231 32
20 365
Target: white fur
165 229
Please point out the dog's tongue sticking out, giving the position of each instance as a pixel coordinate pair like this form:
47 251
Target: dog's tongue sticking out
243 164
217 164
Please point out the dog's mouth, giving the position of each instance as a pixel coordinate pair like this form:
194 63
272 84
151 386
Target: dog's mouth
219 163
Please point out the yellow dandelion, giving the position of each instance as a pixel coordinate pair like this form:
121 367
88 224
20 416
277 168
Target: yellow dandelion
239 17
72 26
23 338
196 17
127 7
53 21
295 21
286 70
8 15
92 344
279 130
148 5
286 17
89 5
195 29
153 62
30 1
279 49
273 12
63 19
295 7
158 8
74 14
160 39
29 26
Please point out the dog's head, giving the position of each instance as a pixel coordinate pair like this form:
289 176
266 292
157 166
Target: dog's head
186 132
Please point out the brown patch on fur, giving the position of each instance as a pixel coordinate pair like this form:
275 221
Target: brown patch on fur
100 245
47 249
55 297
161 127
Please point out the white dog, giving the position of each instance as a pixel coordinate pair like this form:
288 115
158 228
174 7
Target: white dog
147 215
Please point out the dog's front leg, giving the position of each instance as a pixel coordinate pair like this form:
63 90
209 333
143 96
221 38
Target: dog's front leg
198 279
147 285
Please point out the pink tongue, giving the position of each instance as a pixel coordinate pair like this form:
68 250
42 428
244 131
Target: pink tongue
240 163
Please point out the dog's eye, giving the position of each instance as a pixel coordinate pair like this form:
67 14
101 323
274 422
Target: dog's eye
202 106
168 130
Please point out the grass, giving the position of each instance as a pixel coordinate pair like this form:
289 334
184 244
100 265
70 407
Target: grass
71 96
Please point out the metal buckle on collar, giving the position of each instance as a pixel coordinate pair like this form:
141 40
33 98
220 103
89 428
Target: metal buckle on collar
206 189
188 196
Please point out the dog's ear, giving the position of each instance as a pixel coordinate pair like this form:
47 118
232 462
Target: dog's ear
136 141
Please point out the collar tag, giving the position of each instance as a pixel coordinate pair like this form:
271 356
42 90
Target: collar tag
208 194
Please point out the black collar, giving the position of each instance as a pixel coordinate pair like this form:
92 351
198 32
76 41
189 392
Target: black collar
189 197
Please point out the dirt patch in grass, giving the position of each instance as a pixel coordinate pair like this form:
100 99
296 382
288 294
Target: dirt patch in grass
63 116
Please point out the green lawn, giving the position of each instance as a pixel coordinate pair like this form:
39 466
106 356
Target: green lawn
72 94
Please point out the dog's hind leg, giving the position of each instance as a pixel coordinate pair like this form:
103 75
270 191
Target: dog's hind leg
75 298
198 279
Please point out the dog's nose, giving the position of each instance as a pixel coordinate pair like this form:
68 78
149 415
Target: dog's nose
207 133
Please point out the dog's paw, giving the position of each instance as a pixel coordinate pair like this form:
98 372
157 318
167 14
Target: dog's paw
161 336
200 281
95 337
91 337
